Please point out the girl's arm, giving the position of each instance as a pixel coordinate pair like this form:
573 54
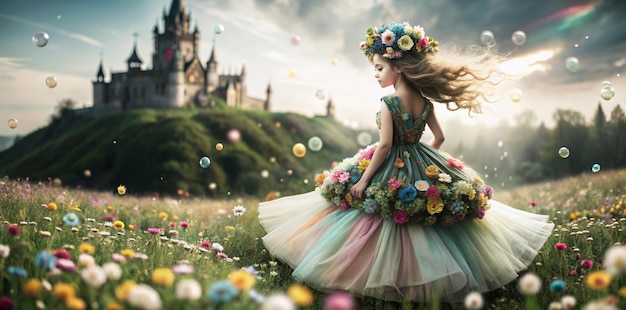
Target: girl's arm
384 145
438 135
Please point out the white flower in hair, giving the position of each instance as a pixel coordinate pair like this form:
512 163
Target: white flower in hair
388 37
419 31
405 42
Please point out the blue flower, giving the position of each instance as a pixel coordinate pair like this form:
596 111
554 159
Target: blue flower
71 219
457 207
407 194
46 260
398 30
17 272
370 205
355 175
557 285
222 291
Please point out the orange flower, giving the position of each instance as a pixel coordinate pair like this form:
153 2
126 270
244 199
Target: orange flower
399 163
121 291
242 280
349 197
52 206
32 288
300 294
319 179
432 172
63 291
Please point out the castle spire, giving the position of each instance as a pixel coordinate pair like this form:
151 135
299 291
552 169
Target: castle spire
212 59
100 74
134 62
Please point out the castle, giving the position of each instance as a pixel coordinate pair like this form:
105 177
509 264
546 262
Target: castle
177 77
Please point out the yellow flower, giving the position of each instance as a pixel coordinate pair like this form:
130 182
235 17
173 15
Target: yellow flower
131 226
481 199
128 253
76 208
175 217
363 164
163 215
432 172
52 206
32 288
622 292
471 194
598 280
163 276
75 303
86 248
63 291
405 42
121 189
479 180
113 306
242 280
434 205
118 224
230 228
121 291
110 208
369 40
300 294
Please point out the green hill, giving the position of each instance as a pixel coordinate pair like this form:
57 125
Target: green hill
158 151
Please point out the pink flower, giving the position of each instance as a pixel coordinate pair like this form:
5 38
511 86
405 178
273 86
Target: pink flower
368 154
586 264
394 183
578 256
533 203
62 254
573 273
423 43
205 244
222 255
183 269
66 265
334 176
400 217
339 301
13 230
362 45
480 213
560 246
153 230
432 191
184 224
109 218
344 177
455 162
344 205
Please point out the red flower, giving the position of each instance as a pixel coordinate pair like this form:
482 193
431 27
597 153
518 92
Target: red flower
559 246
205 244
61 253
400 216
184 224
455 163
533 203
573 273
14 230
586 264
578 256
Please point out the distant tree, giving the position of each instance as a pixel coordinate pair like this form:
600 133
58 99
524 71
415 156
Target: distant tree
615 137
63 109
599 137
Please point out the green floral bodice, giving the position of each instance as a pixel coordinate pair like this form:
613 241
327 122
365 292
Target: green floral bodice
406 130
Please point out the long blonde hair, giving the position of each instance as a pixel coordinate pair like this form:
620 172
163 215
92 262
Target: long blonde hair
461 81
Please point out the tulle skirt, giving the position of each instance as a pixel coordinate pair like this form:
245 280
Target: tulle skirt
330 249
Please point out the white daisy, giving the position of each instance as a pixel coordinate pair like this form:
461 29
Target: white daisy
143 296
568 302
188 289
94 276
474 300
239 210
529 284
112 270
444 177
615 260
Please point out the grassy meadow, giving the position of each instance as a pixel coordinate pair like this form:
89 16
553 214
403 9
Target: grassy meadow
69 248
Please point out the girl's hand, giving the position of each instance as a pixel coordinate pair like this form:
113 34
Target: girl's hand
358 189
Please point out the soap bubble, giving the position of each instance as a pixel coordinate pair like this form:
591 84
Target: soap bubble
500 143
51 82
607 92
595 168
515 95
564 152
205 162
518 37
218 29
212 186
364 139
40 39
572 64
12 123
315 144
219 146
265 174
299 150
606 83
87 173
487 38
320 94
295 40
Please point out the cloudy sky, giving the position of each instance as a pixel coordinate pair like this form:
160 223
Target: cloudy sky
259 34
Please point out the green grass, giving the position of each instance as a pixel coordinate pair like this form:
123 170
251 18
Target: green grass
582 207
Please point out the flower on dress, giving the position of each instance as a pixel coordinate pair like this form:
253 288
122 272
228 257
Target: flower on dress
433 192
400 217
421 185
363 164
370 205
444 177
344 177
394 183
455 163
488 192
434 205
432 172
399 163
407 193
480 213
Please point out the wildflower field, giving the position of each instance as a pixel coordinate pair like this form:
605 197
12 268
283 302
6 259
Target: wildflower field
66 248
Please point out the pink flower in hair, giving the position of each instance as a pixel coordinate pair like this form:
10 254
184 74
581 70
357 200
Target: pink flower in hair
423 42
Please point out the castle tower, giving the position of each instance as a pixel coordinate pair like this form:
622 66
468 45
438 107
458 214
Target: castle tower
156 64
212 76
176 81
268 98
243 87
99 88
134 62
330 109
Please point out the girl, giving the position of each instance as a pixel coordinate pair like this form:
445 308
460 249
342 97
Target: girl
401 220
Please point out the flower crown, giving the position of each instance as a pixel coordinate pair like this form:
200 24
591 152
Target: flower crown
395 40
